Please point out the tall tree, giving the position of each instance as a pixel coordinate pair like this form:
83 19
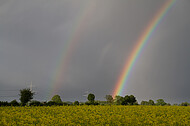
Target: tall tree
26 95
91 97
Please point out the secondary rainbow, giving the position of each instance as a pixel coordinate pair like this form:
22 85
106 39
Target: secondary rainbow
141 42
68 48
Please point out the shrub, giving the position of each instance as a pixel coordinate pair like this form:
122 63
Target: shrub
52 103
91 103
4 103
35 103
14 103
184 104
76 103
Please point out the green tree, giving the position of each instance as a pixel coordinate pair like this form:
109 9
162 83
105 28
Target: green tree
151 102
161 102
109 99
126 100
118 99
132 99
144 103
91 98
25 96
184 104
56 98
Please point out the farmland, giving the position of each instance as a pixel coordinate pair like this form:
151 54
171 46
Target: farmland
95 115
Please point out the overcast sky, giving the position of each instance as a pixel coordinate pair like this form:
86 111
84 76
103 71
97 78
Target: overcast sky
34 35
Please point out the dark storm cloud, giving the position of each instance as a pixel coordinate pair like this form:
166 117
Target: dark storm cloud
34 33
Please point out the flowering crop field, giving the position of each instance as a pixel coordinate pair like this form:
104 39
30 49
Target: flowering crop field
95 115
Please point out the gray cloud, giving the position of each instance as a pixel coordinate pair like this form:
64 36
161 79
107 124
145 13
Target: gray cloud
34 33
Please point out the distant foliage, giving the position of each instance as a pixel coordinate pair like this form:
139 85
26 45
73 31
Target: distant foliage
150 102
127 100
25 96
35 103
91 103
52 103
57 99
132 100
14 103
4 103
91 98
185 104
109 99
118 100
161 102
144 103
76 103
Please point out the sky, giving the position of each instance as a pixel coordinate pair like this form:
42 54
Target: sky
69 47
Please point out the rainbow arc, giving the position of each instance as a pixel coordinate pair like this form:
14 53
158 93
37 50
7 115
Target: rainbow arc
141 43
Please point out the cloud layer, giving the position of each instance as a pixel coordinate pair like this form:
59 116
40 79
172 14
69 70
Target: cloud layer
33 35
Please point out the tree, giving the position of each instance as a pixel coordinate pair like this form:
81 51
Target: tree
76 103
14 103
4 103
126 100
91 98
144 103
161 102
184 104
151 102
118 99
109 98
25 96
57 99
132 99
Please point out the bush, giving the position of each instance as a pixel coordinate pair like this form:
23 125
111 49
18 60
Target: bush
91 103
76 103
4 103
14 103
35 103
81 103
87 103
51 103
184 104
95 103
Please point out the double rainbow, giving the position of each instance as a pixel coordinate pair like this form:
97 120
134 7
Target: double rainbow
68 49
141 43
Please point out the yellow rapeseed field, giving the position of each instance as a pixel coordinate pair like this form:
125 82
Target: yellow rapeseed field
95 115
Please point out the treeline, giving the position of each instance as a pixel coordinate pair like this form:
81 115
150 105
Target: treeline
26 96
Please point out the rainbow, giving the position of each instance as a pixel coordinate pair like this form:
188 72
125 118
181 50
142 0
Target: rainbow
68 48
141 43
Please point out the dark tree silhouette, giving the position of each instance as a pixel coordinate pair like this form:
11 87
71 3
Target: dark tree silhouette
25 96
91 98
